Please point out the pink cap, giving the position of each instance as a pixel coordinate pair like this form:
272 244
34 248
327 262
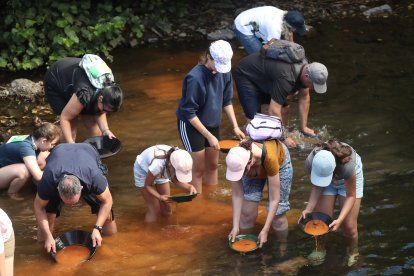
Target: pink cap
236 161
183 164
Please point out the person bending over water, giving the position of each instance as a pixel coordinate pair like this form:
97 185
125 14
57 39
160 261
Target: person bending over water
73 171
70 94
154 168
207 90
249 166
24 158
336 172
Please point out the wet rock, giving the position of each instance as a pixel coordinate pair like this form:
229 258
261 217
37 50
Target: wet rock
24 89
225 34
380 10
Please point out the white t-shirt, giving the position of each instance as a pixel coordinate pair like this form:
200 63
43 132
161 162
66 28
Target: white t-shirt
268 19
6 229
148 162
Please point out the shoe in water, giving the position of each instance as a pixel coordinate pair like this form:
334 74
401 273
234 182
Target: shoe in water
352 259
317 257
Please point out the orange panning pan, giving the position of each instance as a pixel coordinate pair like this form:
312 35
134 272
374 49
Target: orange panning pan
226 145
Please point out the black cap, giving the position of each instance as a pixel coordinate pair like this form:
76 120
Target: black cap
296 20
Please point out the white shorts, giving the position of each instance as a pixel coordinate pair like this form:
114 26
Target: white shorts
140 175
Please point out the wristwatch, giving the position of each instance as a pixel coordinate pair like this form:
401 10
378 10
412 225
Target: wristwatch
99 228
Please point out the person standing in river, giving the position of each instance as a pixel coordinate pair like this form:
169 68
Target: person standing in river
70 93
23 157
336 172
73 171
262 80
251 166
154 169
257 26
207 90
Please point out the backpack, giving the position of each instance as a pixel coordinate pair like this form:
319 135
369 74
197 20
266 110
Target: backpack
284 50
97 70
264 127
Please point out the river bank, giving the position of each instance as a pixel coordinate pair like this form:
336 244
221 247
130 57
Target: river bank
208 21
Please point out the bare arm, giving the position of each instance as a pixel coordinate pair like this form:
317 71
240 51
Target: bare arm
275 109
197 124
186 186
2 263
304 104
313 200
229 110
237 201
274 198
149 185
72 109
104 213
350 186
33 167
103 125
43 223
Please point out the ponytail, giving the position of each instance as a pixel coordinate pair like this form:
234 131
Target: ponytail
45 129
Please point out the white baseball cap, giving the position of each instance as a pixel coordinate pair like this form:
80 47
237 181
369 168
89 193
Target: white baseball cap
183 164
221 53
323 166
236 161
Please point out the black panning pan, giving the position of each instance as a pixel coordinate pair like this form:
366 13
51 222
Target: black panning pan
106 147
74 237
316 217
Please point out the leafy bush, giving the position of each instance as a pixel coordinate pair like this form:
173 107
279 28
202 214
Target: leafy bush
33 33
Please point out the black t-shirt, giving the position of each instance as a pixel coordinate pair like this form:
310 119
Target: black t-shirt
68 78
81 160
272 77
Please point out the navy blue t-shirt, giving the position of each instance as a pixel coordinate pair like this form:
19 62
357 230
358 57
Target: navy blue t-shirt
204 95
81 160
14 152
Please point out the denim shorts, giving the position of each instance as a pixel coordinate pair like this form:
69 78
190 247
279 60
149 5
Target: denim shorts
140 175
253 188
339 188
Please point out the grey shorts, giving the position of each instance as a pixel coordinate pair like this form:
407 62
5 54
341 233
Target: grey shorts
253 188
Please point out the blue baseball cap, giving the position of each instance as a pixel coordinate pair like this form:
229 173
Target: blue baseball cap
296 20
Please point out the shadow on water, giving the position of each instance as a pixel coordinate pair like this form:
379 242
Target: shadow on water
369 104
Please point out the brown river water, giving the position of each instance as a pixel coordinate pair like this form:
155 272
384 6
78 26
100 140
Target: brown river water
369 104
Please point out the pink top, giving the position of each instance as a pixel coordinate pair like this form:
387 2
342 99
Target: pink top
5 229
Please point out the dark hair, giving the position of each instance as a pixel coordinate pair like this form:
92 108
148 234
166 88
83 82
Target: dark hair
112 94
341 152
246 143
45 129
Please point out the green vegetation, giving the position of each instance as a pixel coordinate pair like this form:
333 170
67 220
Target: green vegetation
34 33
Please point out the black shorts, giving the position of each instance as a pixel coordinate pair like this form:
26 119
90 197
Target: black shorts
192 139
54 206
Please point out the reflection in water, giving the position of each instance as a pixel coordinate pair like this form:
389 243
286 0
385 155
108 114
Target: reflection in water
368 104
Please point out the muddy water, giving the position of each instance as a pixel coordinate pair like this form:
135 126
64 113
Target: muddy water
369 104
